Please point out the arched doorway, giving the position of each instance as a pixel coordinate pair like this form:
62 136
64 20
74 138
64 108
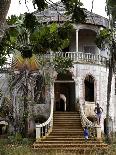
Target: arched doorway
64 90
61 105
89 88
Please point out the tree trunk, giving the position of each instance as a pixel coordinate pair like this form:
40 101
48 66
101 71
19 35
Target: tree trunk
110 74
26 106
4 7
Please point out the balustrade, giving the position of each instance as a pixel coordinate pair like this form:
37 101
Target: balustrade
94 129
45 128
80 57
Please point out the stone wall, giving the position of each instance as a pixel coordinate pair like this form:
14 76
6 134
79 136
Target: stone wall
100 75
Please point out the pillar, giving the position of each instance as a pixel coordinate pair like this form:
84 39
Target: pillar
37 133
98 132
77 40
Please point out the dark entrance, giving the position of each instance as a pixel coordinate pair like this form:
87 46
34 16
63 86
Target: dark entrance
60 105
64 86
89 88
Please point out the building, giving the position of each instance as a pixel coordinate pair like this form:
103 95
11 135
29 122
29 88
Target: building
86 82
83 86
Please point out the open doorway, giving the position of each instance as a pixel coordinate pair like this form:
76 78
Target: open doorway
60 106
89 88
64 90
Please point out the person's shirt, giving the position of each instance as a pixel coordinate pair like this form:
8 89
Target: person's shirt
86 133
98 110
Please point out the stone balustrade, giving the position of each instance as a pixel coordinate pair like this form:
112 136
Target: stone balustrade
81 57
76 57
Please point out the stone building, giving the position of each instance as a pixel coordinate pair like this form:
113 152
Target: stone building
86 83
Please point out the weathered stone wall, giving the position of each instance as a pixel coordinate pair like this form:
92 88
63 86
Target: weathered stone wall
100 75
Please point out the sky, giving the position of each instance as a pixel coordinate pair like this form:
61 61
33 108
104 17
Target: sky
16 8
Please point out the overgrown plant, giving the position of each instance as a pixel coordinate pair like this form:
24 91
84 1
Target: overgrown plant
106 36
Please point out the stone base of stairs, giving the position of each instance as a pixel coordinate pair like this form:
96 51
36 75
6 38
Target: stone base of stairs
67 135
72 151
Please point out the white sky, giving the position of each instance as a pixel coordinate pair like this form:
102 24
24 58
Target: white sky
16 8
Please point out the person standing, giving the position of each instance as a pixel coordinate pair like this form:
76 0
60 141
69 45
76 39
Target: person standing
86 133
98 110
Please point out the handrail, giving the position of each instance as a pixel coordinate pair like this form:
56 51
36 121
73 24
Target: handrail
94 129
45 128
85 121
49 119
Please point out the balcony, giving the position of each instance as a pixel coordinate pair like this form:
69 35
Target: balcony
76 57
81 57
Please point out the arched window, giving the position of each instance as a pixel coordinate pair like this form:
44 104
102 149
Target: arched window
89 88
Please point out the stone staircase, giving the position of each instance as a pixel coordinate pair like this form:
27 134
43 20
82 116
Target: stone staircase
67 134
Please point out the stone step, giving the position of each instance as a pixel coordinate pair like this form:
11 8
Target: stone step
66 126
67 121
70 120
84 145
64 122
77 150
65 138
66 112
69 142
78 126
66 116
62 129
66 132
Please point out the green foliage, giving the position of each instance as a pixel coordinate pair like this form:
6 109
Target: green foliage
103 38
6 107
62 64
111 8
74 8
25 31
41 4
26 36
12 20
30 21
52 37
65 30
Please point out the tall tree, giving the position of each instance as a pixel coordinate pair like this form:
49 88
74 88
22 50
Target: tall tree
111 11
4 7
107 36
73 8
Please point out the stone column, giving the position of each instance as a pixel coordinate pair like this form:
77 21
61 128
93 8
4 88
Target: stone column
77 40
37 133
52 94
98 131
76 93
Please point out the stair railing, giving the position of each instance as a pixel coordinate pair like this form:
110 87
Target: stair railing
86 122
84 119
44 129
